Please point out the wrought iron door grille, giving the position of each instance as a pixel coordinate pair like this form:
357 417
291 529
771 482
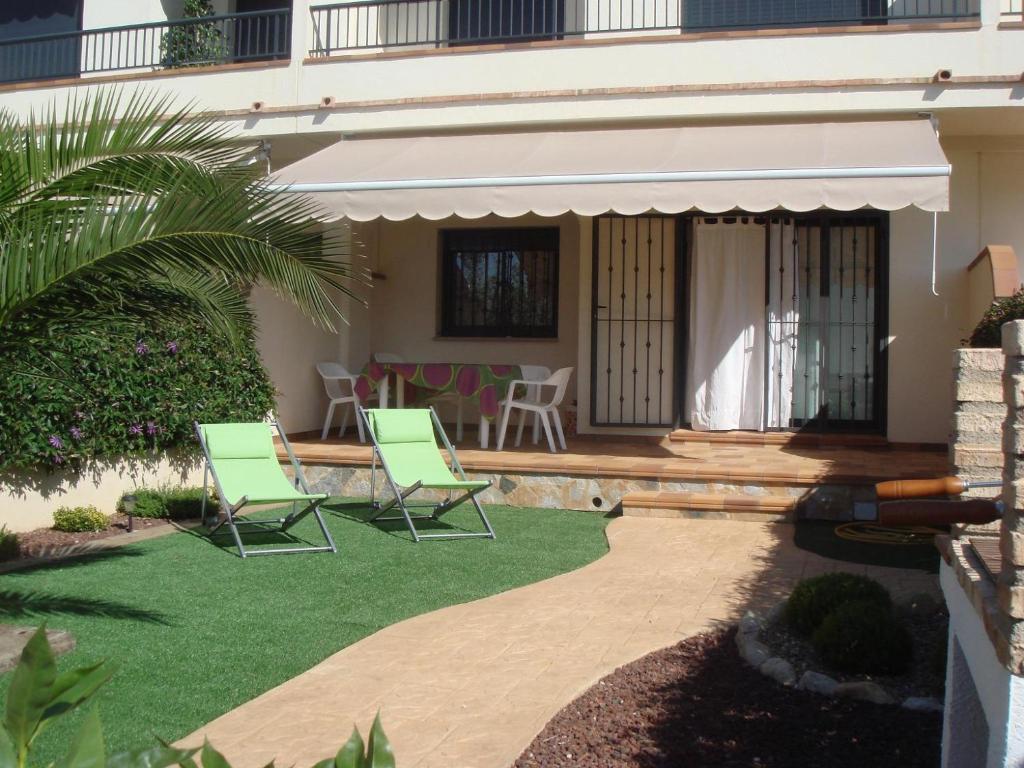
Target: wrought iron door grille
633 338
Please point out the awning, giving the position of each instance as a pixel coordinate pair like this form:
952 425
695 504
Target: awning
797 167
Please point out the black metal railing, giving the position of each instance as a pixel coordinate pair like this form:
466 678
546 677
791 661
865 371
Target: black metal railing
399 23
236 37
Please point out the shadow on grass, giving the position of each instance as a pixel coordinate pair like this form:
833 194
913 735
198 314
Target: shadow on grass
16 604
361 512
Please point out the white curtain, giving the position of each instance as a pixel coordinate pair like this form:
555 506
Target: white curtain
783 321
725 380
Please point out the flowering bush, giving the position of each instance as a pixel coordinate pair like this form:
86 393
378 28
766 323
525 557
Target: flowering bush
126 396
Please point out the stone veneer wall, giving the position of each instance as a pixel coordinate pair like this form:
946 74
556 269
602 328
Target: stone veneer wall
1010 585
976 441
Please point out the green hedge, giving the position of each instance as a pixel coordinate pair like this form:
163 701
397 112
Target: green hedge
111 396
988 332
172 503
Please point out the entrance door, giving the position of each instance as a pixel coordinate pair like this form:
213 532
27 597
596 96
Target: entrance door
835 268
633 328
822 331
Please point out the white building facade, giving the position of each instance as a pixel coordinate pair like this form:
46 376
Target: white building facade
860 335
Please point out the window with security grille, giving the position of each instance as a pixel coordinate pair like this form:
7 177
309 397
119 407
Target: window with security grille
499 282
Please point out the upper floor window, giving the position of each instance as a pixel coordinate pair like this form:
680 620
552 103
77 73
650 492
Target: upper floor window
499 282
495 21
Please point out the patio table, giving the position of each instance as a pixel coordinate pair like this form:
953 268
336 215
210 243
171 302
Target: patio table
485 384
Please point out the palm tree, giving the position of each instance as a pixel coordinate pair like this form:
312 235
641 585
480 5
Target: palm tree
117 210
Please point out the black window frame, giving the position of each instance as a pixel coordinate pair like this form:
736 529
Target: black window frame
505 242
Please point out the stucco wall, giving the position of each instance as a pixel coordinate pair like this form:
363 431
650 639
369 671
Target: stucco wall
28 500
986 198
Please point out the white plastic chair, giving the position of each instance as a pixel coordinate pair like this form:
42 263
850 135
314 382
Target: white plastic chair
341 389
534 402
444 397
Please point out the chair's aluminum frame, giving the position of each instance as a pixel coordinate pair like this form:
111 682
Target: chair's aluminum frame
400 496
277 525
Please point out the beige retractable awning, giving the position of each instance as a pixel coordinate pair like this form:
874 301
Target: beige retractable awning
797 167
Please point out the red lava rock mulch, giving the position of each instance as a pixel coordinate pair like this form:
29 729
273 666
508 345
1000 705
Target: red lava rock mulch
44 542
698 704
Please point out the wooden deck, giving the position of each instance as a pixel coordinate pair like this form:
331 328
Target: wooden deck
669 460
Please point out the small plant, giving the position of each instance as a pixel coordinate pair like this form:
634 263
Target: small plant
988 331
38 695
863 637
10 547
170 503
815 598
79 520
189 45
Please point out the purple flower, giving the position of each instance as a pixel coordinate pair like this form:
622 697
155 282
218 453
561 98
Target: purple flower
76 433
58 459
141 348
135 429
151 428
173 348
56 442
79 415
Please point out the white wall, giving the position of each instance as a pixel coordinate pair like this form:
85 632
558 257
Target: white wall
999 693
28 500
986 201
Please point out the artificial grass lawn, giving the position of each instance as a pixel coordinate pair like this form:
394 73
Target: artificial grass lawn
196 631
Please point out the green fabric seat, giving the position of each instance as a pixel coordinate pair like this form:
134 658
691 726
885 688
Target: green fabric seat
404 440
247 465
243 461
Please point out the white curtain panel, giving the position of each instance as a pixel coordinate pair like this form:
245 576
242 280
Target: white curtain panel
783 321
725 379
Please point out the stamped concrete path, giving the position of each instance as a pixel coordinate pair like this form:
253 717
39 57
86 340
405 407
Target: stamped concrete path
470 686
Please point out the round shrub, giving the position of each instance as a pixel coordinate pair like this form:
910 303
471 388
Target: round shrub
148 503
815 598
10 547
79 519
863 637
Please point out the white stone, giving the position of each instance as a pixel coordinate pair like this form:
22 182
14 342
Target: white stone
749 625
816 682
922 704
780 670
753 652
1013 338
864 690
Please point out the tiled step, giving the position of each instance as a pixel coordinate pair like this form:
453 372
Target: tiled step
710 505
743 437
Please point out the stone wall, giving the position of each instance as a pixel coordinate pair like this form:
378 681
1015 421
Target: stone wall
1010 584
975 446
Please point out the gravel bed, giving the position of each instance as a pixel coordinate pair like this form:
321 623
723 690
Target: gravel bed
698 704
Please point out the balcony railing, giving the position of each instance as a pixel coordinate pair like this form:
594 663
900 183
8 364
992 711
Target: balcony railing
258 36
398 23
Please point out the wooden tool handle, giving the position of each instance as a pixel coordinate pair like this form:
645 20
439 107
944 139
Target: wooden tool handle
912 489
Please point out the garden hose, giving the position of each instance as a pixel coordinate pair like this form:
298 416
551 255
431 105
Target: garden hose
873 533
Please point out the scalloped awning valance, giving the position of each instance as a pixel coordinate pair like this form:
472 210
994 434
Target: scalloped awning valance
886 165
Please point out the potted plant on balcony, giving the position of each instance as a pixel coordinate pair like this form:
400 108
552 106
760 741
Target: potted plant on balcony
196 43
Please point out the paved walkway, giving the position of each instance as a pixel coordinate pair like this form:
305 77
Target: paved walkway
470 686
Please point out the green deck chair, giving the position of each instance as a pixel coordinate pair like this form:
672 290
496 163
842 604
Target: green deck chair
403 440
245 469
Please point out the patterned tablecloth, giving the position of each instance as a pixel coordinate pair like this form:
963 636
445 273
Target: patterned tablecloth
484 384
